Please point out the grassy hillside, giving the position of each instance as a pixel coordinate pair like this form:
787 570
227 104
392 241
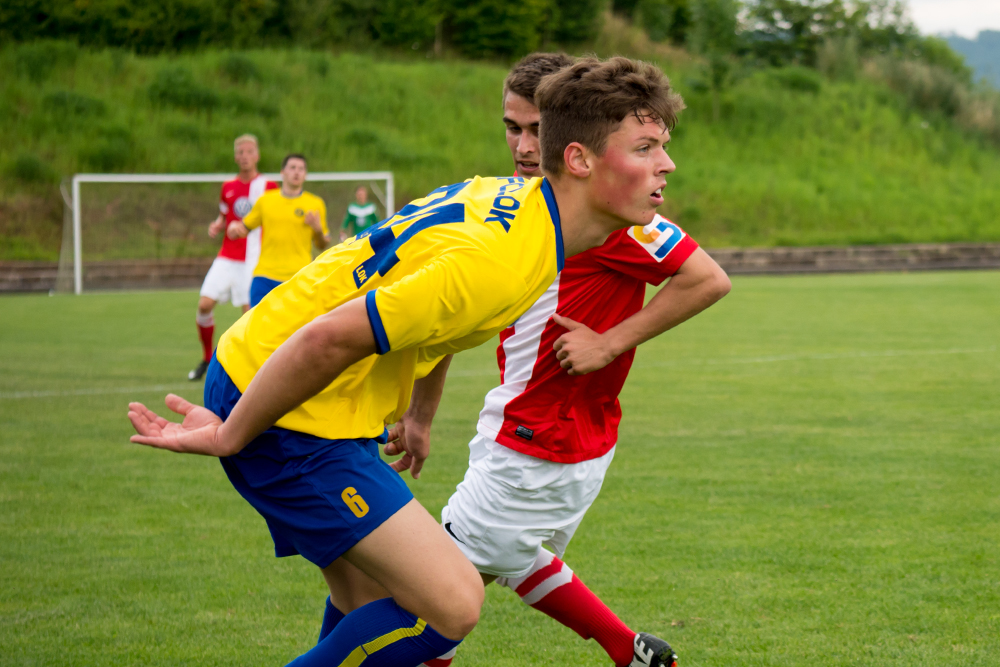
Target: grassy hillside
792 160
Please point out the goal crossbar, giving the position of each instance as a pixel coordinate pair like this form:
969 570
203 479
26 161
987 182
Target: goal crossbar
385 198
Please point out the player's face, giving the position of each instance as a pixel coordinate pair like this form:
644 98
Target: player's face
521 118
247 155
293 173
361 195
628 179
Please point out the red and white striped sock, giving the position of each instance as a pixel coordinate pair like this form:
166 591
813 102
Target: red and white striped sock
206 332
552 587
442 661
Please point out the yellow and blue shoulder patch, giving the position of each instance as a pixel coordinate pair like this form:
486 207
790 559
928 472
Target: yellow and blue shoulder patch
658 238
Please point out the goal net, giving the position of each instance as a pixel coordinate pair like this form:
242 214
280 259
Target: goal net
148 231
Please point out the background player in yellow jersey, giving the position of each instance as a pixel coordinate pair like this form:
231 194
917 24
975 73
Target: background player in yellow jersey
304 384
292 220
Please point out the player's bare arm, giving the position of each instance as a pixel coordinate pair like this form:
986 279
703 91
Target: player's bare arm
237 230
698 284
411 435
320 240
216 226
300 368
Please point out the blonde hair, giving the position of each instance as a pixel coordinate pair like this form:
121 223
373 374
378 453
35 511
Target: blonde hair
246 137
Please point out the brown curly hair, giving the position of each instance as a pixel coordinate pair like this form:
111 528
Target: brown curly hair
524 77
587 101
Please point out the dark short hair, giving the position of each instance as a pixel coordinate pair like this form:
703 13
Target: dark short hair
588 100
524 77
294 156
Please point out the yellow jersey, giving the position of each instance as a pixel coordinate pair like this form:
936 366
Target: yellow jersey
445 274
286 241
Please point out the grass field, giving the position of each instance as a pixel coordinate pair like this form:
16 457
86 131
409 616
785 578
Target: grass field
808 474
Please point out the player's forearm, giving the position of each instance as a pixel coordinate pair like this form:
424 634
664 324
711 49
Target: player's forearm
427 393
687 294
299 369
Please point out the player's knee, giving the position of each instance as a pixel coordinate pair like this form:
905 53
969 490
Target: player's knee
205 306
462 614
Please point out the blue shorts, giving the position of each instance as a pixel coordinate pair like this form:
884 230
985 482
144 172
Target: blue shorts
260 287
319 497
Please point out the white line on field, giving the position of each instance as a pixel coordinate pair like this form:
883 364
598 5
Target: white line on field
479 372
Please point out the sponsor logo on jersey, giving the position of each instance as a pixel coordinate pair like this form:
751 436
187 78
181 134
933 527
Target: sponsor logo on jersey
242 206
504 206
658 237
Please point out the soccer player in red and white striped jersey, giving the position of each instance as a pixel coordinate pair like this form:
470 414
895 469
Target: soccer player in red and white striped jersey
547 433
229 277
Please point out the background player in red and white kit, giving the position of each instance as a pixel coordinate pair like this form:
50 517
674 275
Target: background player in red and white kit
548 432
229 277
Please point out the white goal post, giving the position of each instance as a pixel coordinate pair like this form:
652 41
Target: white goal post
74 202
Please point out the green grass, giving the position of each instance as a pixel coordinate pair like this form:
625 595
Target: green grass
808 474
838 163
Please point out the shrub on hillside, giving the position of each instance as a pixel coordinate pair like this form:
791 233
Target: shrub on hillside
940 91
113 149
489 27
801 79
238 68
176 86
28 168
37 60
574 21
69 104
838 59
663 19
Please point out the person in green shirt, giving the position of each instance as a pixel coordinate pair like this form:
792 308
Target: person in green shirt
360 215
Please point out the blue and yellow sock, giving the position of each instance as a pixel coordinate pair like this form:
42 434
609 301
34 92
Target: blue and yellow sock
380 634
331 617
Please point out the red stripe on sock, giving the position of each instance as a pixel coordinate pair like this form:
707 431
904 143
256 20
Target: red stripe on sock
207 334
538 577
438 662
575 606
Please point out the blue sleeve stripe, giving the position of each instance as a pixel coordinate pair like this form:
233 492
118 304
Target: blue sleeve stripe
381 340
550 202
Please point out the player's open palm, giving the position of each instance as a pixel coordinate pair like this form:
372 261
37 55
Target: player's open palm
197 434
412 439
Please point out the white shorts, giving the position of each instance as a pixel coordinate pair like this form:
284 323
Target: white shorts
510 504
227 280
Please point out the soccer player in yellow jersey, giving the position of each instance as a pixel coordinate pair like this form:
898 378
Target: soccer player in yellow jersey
303 386
292 220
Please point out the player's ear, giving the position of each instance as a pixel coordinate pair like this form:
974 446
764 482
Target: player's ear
577 160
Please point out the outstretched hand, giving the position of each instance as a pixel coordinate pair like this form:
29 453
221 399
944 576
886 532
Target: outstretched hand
581 350
312 219
216 226
237 230
197 434
412 439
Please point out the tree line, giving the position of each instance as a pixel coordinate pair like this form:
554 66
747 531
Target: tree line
474 28
774 32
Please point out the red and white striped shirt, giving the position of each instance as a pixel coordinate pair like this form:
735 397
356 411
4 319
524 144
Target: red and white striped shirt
539 409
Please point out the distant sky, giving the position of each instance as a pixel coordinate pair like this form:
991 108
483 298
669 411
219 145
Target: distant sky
964 17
